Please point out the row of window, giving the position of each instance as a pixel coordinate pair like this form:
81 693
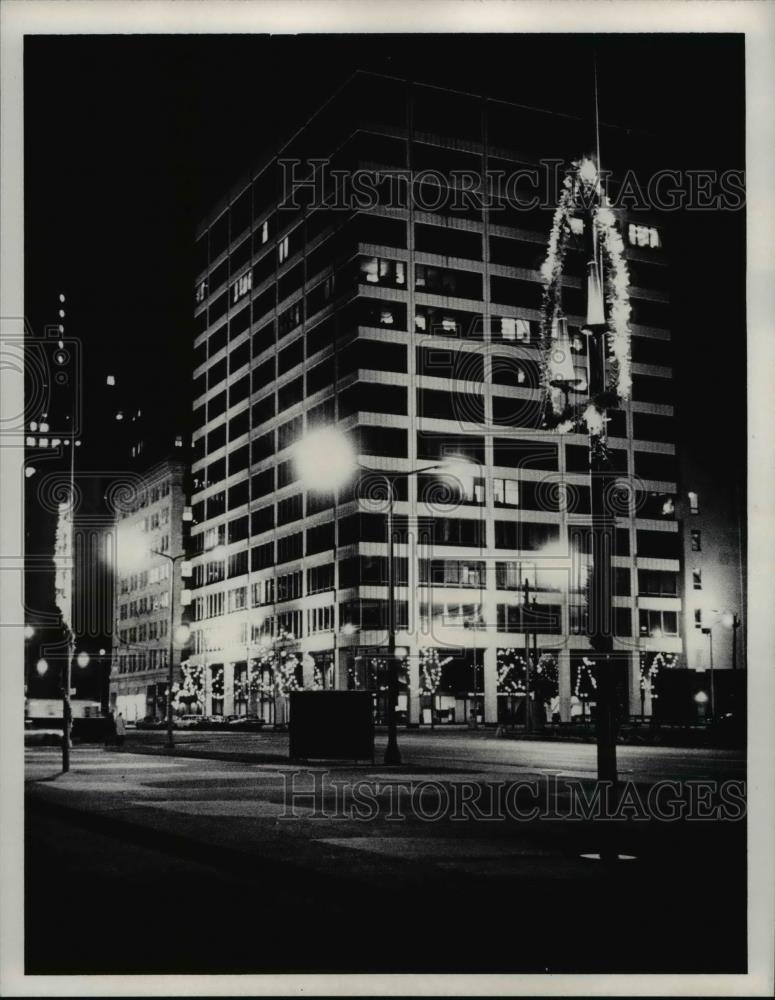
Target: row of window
362 527
144 633
151 659
156 519
148 577
144 497
450 573
438 320
435 446
432 193
546 619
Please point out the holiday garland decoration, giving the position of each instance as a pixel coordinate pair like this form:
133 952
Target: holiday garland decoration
512 674
580 190
649 671
431 670
586 683
272 672
192 689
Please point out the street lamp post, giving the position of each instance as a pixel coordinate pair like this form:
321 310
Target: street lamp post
709 633
326 461
526 625
171 663
732 621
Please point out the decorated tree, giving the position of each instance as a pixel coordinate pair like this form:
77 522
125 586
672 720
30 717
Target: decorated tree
190 694
217 688
586 683
511 672
250 687
546 681
650 666
271 674
512 675
431 672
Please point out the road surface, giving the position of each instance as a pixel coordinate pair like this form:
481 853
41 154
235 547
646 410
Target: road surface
480 750
141 861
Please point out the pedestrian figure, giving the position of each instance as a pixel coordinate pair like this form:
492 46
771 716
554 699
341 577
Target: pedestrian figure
110 729
120 729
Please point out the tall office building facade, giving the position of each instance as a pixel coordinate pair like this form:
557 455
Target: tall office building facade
149 590
406 311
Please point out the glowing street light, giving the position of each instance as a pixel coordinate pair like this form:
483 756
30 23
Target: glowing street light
42 667
325 459
83 659
182 634
29 631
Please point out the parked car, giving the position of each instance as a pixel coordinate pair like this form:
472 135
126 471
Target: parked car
188 721
251 723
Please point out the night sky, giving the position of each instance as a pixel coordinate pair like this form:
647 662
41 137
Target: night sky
129 140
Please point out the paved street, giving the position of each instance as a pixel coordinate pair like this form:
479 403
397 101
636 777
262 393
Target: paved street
481 750
202 865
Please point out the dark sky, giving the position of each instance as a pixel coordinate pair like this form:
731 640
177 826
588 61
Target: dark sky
130 139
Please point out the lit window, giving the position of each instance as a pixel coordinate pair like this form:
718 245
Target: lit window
697 579
111 380
265 231
386 317
506 492
178 440
449 325
370 270
282 249
696 541
523 329
643 236
694 503
508 329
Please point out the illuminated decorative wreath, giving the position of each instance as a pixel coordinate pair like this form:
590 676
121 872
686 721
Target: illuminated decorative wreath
580 190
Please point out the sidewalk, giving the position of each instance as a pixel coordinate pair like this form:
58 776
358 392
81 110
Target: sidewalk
511 888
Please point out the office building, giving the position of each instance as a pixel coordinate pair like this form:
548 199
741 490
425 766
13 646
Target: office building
413 324
149 590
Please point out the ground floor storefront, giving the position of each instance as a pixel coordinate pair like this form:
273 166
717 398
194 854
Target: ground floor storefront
437 686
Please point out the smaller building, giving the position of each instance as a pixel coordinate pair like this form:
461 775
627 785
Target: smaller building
714 574
149 593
